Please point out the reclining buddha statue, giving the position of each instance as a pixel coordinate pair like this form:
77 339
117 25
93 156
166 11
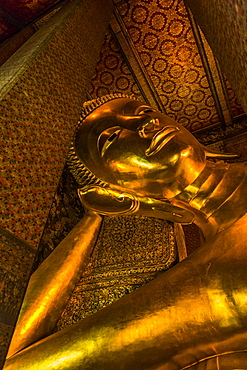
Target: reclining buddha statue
131 159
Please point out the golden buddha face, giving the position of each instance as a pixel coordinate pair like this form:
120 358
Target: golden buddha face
130 145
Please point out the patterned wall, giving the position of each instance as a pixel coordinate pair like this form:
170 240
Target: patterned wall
38 118
16 262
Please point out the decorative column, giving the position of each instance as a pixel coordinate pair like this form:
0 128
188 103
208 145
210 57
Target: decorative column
223 23
42 89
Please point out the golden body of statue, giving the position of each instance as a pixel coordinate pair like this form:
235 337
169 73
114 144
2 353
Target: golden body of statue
130 158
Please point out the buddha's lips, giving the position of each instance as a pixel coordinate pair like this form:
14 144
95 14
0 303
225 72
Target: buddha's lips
160 139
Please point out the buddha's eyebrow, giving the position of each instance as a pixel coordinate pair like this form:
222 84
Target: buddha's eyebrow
133 107
144 109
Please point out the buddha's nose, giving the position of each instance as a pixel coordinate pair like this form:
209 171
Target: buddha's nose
148 129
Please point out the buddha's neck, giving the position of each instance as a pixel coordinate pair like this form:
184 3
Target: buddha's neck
218 197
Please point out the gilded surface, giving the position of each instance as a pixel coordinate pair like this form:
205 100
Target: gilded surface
188 317
235 106
47 283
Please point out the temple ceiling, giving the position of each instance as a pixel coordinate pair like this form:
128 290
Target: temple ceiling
155 50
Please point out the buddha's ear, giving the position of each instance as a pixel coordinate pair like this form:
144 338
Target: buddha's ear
210 153
107 201
112 202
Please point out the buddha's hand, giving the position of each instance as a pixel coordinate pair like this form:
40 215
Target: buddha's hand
112 202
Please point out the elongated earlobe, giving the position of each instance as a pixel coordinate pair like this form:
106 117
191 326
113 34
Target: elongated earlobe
106 201
215 154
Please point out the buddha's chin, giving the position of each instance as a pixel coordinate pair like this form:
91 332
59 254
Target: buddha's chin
162 180
157 189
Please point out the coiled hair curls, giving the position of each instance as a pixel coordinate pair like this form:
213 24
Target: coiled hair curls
80 172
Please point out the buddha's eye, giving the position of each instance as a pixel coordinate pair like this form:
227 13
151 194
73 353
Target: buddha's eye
107 138
112 137
146 110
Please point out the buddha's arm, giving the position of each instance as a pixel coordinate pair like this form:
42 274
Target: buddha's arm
53 282
194 311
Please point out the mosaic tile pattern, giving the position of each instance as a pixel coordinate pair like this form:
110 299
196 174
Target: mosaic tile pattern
38 118
15 265
66 211
238 145
192 238
130 251
16 256
5 336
